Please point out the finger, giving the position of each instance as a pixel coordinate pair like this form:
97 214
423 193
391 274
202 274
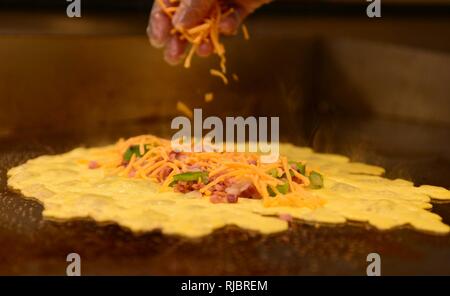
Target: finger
175 50
246 7
230 23
159 25
205 49
191 13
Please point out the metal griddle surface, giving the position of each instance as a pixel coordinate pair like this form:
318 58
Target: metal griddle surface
31 245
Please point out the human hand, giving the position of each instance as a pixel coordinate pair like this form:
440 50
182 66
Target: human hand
189 14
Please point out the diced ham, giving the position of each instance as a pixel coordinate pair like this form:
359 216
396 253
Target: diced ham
182 187
197 186
219 187
231 198
237 188
286 217
251 192
164 173
93 165
216 197
185 187
194 168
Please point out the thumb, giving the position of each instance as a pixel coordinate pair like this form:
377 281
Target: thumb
192 12
247 7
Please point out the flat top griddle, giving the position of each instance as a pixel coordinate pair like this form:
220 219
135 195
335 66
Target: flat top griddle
31 245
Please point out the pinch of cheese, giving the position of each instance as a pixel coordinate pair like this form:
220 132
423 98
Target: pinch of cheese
353 191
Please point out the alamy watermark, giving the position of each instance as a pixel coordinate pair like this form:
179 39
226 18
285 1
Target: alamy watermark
374 8
374 267
74 267
73 8
228 136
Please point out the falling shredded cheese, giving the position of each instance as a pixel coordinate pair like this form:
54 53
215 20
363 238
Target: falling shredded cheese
219 74
184 109
209 97
245 32
188 60
206 32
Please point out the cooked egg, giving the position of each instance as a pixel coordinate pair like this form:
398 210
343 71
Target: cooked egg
69 189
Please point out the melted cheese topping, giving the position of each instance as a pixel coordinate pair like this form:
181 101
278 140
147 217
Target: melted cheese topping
353 191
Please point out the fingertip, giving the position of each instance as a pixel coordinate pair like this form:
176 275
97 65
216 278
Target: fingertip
156 43
191 13
177 20
205 49
159 28
172 61
230 24
175 50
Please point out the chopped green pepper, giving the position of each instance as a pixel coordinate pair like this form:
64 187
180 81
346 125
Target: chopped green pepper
271 193
273 172
283 175
300 167
135 150
190 176
316 180
283 189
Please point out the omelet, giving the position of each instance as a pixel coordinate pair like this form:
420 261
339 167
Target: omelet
69 188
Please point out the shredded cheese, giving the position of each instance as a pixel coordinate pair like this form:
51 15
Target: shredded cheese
245 32
184 109
161 164
219 74
209 97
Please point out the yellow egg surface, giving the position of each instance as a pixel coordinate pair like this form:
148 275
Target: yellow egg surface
68 189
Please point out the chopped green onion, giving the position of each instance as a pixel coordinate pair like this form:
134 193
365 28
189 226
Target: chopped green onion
316 180
190 176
